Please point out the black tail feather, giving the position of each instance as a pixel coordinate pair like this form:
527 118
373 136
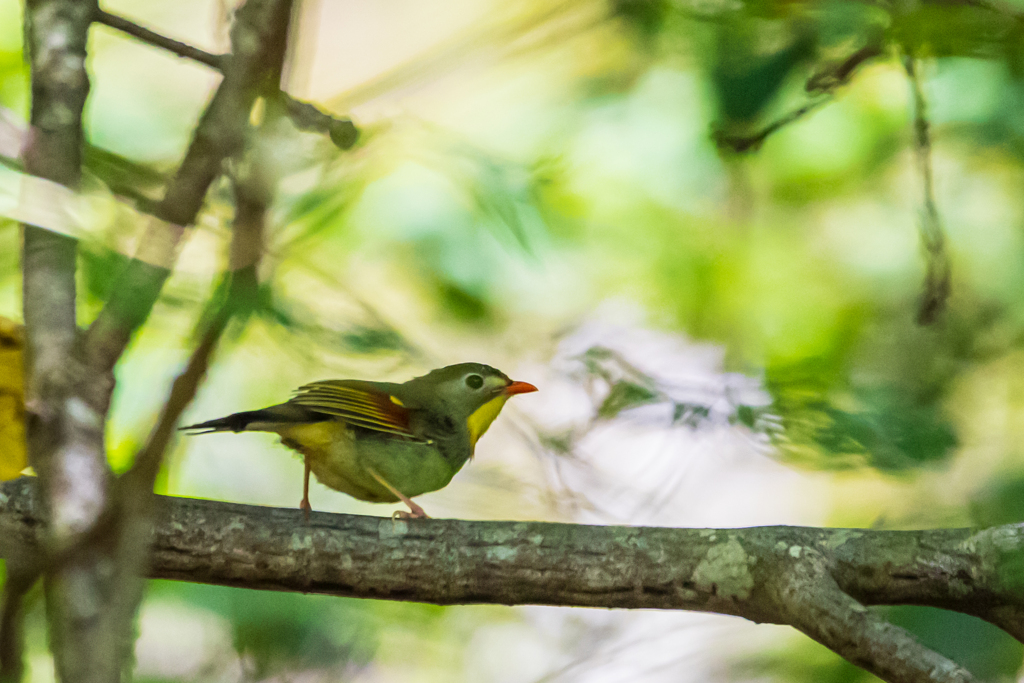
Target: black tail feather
232 423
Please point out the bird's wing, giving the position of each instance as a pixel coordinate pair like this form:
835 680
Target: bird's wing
358 403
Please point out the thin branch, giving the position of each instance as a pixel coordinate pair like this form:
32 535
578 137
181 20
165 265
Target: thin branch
254 182
848 628
135 488
153 38
96 543
751 143
822 84
938 274
305 116
832 76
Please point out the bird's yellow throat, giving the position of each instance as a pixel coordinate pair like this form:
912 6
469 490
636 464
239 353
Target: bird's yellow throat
484 416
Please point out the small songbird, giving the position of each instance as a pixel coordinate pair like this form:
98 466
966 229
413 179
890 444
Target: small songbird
383 442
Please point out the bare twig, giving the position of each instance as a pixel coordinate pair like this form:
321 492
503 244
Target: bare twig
305 116
153 38
938 269
817 580
822 84
135 487
183 390
751 143
832 76
96 546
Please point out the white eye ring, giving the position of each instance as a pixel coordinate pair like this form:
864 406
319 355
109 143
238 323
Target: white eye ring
474 381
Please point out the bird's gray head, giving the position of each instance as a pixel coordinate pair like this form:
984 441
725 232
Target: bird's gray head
468 393
459 390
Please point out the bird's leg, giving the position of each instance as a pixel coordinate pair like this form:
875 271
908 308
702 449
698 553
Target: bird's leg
416 512
304 504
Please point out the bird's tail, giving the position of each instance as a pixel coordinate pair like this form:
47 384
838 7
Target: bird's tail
232 423
265 420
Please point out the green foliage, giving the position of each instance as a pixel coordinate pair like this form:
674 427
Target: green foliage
886 428
983 649
99 269
980 33
646 16
624 395
124 177
1000 502
362 340
752 61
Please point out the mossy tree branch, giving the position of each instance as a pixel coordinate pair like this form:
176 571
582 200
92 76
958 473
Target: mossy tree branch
820 581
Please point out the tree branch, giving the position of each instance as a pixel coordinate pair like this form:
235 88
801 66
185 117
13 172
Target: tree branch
258 37
820 608
822 84
157 40
938 275
303 115
75 479
817 580
64 419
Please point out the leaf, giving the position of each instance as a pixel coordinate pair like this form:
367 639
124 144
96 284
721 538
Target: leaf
752 61
886 427
623 396
13 456
366 340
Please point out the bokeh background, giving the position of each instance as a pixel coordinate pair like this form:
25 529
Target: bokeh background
720 339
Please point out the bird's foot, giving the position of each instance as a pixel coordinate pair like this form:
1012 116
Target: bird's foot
416 512
305 507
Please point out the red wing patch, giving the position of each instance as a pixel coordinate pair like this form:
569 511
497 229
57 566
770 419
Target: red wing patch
357 405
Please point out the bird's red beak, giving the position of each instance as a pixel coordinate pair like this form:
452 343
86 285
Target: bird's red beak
519 388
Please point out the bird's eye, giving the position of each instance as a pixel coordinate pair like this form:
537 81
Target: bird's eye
474 381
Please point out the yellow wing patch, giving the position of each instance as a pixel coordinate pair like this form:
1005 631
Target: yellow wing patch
362 406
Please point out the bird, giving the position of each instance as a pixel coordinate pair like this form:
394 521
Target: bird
383 442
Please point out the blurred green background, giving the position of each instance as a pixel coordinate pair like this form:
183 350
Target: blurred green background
720 339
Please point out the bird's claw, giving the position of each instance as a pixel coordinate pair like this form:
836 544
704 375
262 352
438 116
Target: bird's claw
418 513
